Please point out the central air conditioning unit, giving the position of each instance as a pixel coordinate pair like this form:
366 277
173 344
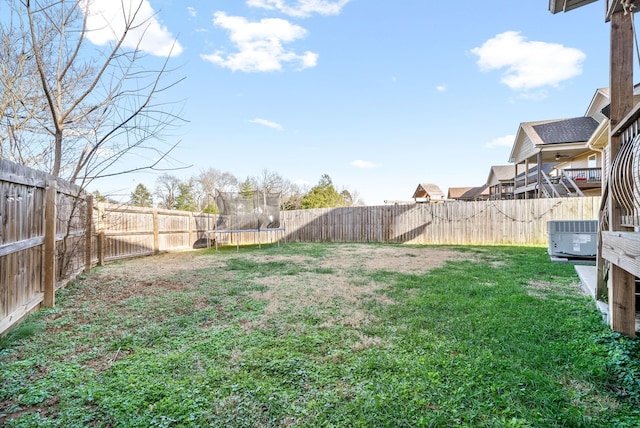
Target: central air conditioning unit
573 238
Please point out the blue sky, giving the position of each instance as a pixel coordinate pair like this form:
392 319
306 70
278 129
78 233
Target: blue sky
380 95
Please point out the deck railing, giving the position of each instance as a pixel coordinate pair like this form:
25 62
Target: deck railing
501 191
625 170
619 241
571 178
583 175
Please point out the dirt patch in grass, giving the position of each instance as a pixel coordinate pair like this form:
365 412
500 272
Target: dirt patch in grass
395 258
542 289
335 288
162 265
334 297
407 260
336 284
324 278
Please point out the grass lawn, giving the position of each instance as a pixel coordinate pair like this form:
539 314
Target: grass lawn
322 335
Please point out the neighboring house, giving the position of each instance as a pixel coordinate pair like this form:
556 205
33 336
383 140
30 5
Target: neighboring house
480 193
457 193
563 144
499 185
599 108
523 181
501 181
576 148
427 192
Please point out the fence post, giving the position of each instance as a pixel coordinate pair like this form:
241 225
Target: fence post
100 245
88 233
156 233
191 232
49 256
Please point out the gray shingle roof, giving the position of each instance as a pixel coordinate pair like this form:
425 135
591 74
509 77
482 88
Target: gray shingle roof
567 130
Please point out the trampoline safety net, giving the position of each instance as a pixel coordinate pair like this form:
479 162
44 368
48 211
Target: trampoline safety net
248 211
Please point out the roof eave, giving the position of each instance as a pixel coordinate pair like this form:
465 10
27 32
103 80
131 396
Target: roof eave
556 6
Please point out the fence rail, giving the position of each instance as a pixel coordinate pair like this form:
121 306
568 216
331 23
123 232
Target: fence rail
50 231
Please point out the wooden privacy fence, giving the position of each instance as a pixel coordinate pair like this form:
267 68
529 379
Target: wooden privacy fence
48 237
125 232
42 239
520 222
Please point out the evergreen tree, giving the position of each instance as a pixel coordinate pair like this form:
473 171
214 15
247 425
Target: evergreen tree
141 197
98 197
348 199
323 195
247 191
247 188
186 200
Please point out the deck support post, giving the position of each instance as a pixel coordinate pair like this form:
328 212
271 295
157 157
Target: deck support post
621 282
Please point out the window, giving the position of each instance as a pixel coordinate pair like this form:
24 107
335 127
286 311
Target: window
592 162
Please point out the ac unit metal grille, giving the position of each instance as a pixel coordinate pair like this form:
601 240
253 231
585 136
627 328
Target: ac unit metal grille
573 226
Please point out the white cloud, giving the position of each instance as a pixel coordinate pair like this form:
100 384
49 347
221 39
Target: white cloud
363 164
192 11
506 141
106 23
267 123
301 8
260 44
528 65
441 88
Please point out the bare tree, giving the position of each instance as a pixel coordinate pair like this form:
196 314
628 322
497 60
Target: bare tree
352 197
269 182
75 109
19 89
272 182
78 109
293 199
211 180
167 190
291 195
